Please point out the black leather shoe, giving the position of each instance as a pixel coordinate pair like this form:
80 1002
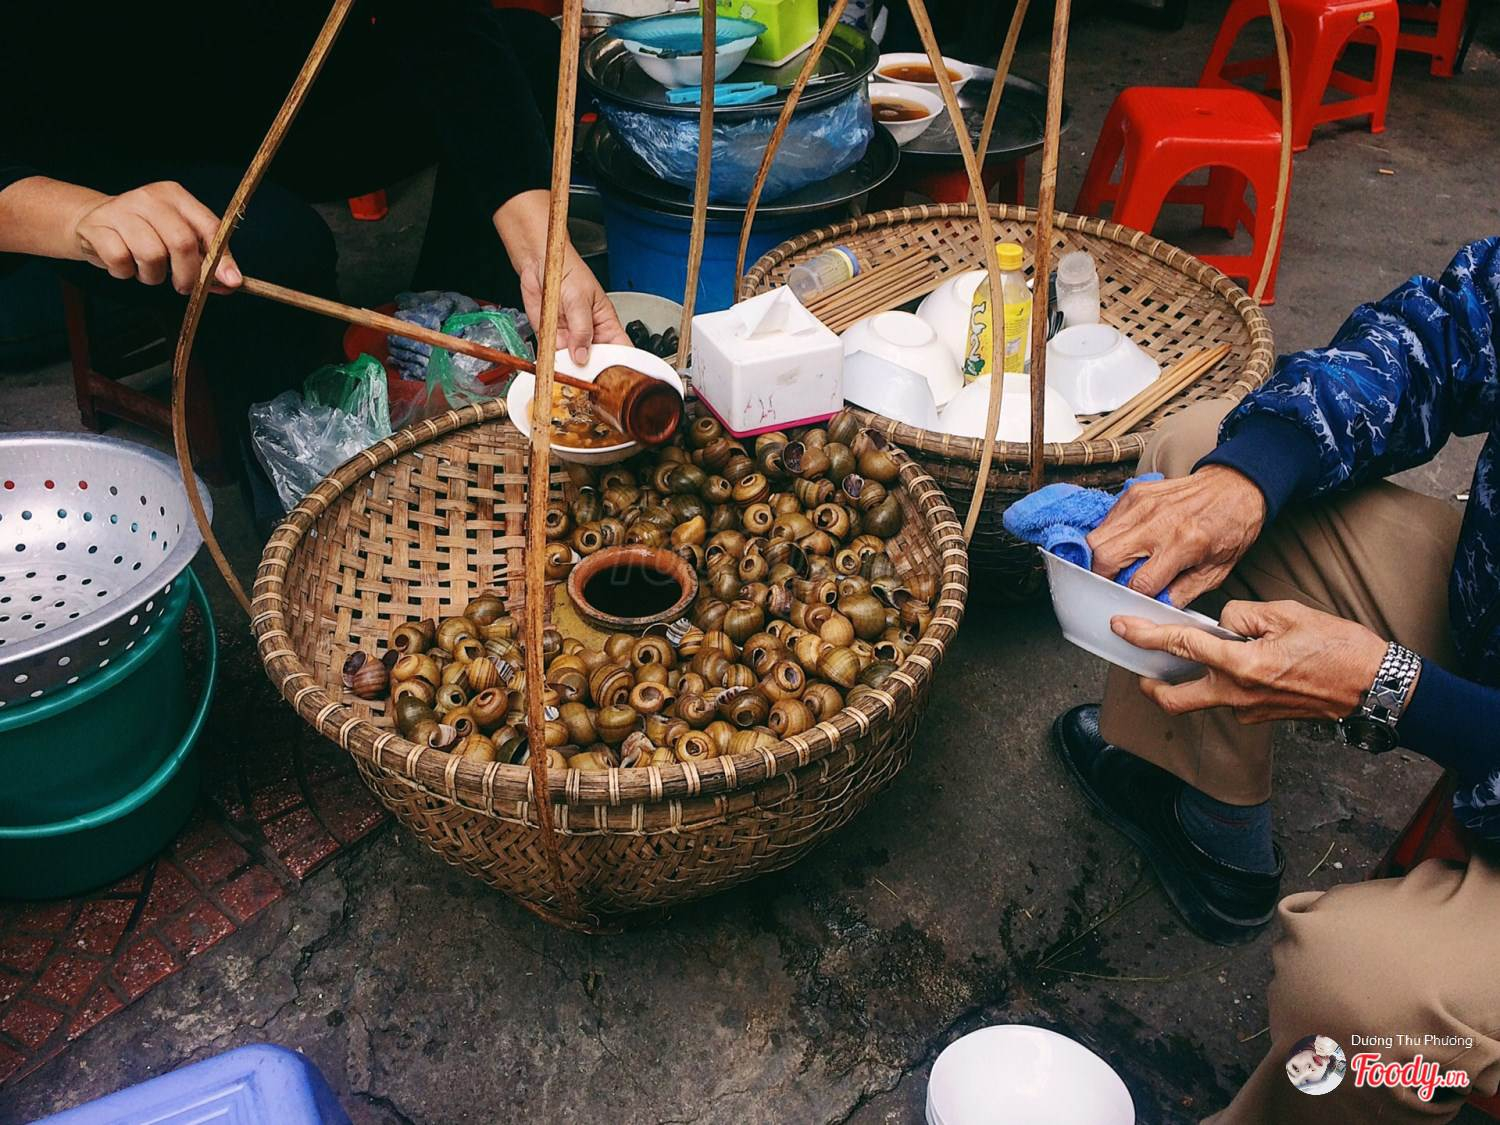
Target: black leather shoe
1225 904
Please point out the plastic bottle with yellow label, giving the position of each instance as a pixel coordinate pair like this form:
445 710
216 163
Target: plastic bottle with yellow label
979 353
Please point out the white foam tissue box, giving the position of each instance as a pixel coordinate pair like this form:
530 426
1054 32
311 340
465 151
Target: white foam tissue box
766 364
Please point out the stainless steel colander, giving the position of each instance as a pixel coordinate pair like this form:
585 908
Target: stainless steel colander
93 532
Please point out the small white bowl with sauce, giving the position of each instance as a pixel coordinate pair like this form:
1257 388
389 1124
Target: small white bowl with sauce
903 109
912 68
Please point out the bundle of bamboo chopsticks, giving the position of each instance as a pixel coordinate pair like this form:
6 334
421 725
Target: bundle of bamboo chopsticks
1172 382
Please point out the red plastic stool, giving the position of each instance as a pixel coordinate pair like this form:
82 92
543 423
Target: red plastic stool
1317 33
1446 19
1166 133
1433 833
370 208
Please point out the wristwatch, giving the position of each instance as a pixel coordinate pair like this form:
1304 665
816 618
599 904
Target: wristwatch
1372 727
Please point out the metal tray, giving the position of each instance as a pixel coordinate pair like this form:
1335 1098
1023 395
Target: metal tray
1020 125
849 59
618 172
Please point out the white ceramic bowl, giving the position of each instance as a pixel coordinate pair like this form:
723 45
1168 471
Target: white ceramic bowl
947 309
687 70
888 389
1013 1074
965 414
1085 602
518 398
919 58
909 342
930 100
1097 367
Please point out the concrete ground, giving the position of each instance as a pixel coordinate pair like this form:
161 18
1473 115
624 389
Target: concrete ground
976 890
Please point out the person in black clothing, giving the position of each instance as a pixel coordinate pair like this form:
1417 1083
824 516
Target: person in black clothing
127 127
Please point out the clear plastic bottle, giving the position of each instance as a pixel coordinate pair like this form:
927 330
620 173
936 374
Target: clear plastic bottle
1078 289
833 266
979 359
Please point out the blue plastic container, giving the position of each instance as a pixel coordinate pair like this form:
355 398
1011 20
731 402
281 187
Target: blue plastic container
648 249
258 1085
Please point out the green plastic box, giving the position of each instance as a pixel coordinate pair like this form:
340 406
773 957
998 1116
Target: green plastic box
791 26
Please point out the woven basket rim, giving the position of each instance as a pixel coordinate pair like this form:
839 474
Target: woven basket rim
1097 451
483 786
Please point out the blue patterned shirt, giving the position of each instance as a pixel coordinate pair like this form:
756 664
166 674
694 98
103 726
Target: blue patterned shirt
1402 375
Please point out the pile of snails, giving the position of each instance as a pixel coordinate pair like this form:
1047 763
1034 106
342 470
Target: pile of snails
800 611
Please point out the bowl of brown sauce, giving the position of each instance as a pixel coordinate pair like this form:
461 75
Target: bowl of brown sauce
905 110
913 68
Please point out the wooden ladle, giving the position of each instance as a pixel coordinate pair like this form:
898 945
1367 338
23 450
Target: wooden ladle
644 409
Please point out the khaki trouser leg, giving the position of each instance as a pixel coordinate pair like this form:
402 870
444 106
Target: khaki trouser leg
1415 956
1379 555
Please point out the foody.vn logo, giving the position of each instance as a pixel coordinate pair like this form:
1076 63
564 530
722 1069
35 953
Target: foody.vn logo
1426 1076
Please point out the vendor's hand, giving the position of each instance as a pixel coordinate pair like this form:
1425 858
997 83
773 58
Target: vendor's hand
1193 530
151 231
586 316
1299 663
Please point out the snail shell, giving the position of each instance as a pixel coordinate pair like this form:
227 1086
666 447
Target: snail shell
636 750
717 490
823 700
557 560
466 650
761 651
450 696
866 613
649 698
742 620
451 629
784 680
412 636
579 722
694 747
752 488
789 717
501 629
489 708
365 676
704 429
757 518
410 711
417 667
477 749
695 710
839 666
614 722
420 690
720 733
587 538
693 532
885 519
482 673
610 685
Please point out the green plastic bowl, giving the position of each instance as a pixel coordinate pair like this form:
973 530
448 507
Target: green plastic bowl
118 811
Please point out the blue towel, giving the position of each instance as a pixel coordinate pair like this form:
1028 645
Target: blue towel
1059 517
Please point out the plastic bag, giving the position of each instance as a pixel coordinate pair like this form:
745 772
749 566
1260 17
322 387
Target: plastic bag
452 379
428 308
818 144
300 438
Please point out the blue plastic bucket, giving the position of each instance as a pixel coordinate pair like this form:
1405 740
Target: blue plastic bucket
648 249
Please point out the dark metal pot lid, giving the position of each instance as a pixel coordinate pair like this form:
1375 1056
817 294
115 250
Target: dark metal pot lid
850 58
1020 126
621 175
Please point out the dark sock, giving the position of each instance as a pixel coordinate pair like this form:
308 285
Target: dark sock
1239 835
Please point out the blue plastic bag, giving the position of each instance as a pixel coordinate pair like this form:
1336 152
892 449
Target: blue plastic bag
818 144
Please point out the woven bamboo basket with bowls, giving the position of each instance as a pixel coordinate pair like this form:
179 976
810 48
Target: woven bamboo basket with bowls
1166 300
415 527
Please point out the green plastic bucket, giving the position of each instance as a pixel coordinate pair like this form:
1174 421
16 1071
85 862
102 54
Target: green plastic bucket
124 741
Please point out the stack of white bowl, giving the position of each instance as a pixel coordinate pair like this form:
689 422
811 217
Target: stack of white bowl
908 367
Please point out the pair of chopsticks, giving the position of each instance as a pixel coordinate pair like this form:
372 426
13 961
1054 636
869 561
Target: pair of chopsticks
1172 382
503 362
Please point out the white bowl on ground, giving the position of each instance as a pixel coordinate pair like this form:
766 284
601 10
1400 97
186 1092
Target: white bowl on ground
965 413
947 310
875 383
907 341
919 58
905 131
687 70
1013 1074
1086 602
518 398
1097 367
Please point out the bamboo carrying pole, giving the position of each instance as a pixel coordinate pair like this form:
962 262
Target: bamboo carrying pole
1284 167
192 316
1002 72
700 183
986 238
1046 205
809 68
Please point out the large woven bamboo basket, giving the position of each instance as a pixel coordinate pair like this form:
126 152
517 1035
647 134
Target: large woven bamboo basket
1165 299
420 523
